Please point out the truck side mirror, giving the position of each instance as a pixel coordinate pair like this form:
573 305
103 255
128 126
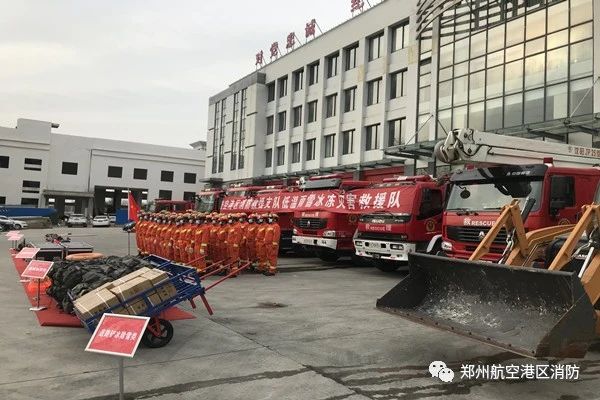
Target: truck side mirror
561 193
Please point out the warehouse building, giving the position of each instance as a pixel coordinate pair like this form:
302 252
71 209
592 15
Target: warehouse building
404 72
76 174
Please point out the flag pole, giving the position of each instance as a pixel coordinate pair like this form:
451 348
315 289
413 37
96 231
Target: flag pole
128 214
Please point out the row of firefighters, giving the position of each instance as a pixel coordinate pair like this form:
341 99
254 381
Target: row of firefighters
211 240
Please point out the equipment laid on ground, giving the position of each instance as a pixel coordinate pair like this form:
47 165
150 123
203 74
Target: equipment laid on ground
534 312
60 248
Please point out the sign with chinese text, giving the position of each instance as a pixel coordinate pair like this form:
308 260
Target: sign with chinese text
27 253
12 233
118 335
14 237
37 269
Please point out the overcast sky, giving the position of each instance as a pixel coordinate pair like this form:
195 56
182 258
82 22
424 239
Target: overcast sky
138 70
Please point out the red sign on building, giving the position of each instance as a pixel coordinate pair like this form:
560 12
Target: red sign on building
291 41
275 50
311 28
260 57
27 253
37 269
118 335
356 5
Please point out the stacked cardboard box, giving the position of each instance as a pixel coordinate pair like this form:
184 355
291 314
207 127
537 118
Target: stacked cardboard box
152 282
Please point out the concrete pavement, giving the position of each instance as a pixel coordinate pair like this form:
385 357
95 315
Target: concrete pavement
311 332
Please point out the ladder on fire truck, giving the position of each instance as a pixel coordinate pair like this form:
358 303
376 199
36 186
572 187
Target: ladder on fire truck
470 146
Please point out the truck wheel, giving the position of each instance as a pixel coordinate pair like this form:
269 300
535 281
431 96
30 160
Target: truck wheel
327 256
18 226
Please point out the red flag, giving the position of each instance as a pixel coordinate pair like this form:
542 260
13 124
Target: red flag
132 207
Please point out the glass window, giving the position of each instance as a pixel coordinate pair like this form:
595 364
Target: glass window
445 94
268 158
313 73
397 84
581 97
349 99
581 59
476 116
295 152
460 90
445 120
70 168
514 31
166 176
331 105
478 44
496 58
461 69
493 114
459 117
348 142
396 131
513 109
372 137
424 124
310 149
514 53
425 97
4 161
477 64
298 80
280 155
270 92
514 77
375 46
283 86
477 86
536 24
534 71
115 172
373 89
495 38
270 125
329 146
581 11
558 16
445 74
446 55
312 111
535 46
140 173
461 50
557 66
281 117
400 36
165 194
332 65
297 116
534 106
495 80
189 177
556 101
581 32
350 57
557 39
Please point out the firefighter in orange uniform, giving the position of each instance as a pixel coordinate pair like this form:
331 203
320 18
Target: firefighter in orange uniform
259 239
221 248
272 234
169 238
160 226
175 236
139 232
234 239
212 243
200 243
243 221
250 234
153 231
190 239
187 236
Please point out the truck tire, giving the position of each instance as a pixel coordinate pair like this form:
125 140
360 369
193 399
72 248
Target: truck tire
327 256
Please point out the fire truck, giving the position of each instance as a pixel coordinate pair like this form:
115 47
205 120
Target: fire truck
327 232
209 200
385 238
178 206
558 177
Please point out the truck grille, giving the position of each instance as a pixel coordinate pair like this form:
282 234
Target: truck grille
386 237
470 234
311 223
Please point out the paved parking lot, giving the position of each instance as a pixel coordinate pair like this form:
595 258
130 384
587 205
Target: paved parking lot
311 332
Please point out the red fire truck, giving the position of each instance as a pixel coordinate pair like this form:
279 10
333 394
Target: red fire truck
178 206
385 238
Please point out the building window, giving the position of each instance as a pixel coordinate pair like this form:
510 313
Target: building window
4 161
281 121
69 168
400 36
348 142
270 92
332 65
2 200
313 73
331 105
396 130
298 80
270 124
140 173
29 202
297 116
350 99
312 111
115 172
234 132
268 158
329 146
33 164
189 196
375 46
165 194
222 135
189 177
373 89
295 152
280 155
31 187
372 137
242 145
166 176
350 57
215 142
283 86
398 84
310 149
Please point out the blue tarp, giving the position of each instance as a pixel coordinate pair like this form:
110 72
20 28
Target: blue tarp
121 216
17 211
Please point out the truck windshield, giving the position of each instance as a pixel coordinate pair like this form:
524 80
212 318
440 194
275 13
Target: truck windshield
206 202
481 196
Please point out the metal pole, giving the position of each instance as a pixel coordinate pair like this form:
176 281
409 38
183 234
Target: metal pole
38 293
128 243
121 379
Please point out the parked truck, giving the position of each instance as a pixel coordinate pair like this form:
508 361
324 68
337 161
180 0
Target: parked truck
385 238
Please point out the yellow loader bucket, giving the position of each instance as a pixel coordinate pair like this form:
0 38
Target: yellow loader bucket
528 311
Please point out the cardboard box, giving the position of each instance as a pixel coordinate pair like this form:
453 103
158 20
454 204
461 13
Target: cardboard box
130 276
93 303
130 288
158 277
108 286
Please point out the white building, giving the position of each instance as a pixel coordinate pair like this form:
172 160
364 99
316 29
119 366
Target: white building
403 72
39 167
